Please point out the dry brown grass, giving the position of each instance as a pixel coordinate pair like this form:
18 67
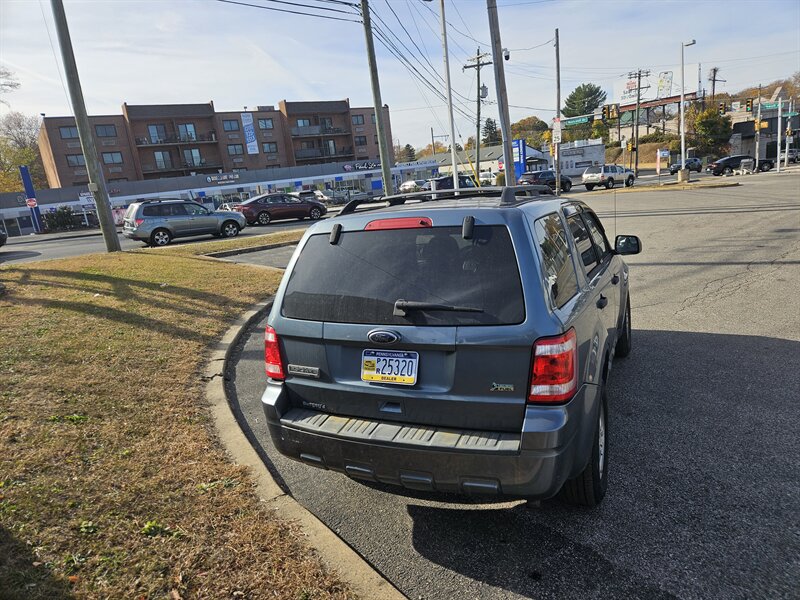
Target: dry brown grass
112 483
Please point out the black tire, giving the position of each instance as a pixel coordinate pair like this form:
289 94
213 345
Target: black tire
629 182
625 340
160 237
765 166
567 187
589 187
727 171
589 488
314 214
229 229
264 218
609 183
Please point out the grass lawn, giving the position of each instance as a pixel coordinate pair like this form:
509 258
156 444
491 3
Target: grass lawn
112 483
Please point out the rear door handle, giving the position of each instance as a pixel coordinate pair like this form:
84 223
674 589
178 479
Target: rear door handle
615 279
602 302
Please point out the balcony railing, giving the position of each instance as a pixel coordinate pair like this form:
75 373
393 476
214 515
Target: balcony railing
318 130
177 139
185 166
307 153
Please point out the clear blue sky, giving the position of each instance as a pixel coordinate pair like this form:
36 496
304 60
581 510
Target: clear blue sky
173 51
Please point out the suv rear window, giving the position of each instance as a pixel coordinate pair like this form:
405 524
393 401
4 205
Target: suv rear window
359 279
592 170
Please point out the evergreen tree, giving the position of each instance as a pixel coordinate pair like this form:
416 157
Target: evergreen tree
491 134
583 100
407 154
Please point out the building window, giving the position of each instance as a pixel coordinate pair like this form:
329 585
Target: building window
158 133
304 122
230 125
187 132
68 133
326 122
270 147
235 149
307 145
76 160
163 160
192 158
360 140
265 124
105 130
373 118
358 119
112 158
376 139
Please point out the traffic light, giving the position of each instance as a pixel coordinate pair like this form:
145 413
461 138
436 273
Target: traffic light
613 111
630 146
605 111
722 108
748 105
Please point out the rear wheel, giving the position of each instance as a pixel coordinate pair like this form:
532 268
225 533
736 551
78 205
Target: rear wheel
589 488
264 218
567 186
629 182
609 183
230 229
624 341
589 187
160 237
727 171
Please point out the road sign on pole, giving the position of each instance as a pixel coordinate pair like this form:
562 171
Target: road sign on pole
556 130
31 202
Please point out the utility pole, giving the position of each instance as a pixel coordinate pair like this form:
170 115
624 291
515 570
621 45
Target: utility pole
638 75
433 141
383 145
502 97
713 78
758 128
97 183
477 66
453 155
778 147
557 146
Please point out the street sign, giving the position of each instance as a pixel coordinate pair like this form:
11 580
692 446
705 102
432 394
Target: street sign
794 113
31 202
770 106
556 131
575 121
764 125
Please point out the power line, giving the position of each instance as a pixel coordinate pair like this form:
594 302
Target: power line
52 47
284 10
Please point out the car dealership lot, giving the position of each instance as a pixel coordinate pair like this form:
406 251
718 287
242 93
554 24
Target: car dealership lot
703 490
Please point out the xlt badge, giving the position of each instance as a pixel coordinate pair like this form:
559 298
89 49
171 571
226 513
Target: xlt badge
502 387
304 371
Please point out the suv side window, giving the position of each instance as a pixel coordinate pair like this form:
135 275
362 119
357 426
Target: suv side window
598 239
557 267
194 209
583 241
152 211
174 210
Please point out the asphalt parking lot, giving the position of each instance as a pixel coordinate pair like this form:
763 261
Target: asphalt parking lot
703 491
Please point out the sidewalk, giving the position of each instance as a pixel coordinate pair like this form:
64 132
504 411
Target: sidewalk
48 237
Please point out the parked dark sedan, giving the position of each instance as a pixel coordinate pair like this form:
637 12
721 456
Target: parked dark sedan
726 165
3 236
693 164
262 210
547 177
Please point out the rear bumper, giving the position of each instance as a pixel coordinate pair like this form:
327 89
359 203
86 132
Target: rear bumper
553 446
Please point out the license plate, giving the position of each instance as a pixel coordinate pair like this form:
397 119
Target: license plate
387 366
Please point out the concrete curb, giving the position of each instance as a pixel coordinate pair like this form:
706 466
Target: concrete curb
667 188
335 553
236 252
49 237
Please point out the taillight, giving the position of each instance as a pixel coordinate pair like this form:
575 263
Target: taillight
554 372
399 223
139 222
272 354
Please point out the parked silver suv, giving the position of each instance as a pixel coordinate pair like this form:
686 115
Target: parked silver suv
461 344
608 176
157 222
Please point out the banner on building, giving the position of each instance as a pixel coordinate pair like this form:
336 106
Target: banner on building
249 133
664 84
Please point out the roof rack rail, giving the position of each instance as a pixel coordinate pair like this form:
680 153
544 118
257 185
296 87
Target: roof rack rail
507 195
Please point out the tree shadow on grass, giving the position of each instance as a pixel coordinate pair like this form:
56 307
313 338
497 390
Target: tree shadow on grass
20 579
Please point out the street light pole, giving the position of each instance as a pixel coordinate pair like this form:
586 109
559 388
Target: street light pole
683 108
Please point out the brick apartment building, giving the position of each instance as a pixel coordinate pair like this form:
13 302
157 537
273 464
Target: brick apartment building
173 140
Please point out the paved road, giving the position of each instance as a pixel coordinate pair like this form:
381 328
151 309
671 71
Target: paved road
30 248
703 492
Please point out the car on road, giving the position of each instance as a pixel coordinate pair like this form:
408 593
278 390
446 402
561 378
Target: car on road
792 155
3 236
728 164
157 222
266 208
457 345
317 195
547 177
692 164
607 176
412 185
446 183
487 178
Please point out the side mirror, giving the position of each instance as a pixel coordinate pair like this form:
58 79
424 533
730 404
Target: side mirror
627 244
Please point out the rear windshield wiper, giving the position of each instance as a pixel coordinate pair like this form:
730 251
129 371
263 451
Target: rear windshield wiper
401 307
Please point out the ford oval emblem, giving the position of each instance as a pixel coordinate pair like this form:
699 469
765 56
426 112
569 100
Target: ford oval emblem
382 336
